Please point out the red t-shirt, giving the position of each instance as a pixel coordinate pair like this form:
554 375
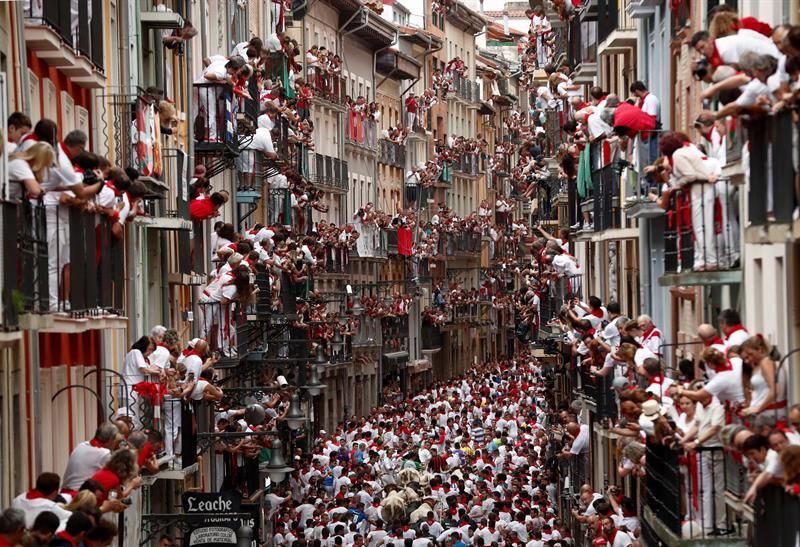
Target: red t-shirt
108 480
145 453
201 209
404 242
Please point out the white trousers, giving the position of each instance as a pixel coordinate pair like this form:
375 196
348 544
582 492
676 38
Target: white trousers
57 226
712 479
705 249
728 240
172 425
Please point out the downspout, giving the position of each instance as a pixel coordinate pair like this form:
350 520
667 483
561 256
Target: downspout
22 58
195 289
342 115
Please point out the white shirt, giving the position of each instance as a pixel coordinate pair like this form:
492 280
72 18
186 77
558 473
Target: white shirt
160 357
84 462
652 106
33 507
752 91
132 367
18 171
731 48
581 443
194 366
726 385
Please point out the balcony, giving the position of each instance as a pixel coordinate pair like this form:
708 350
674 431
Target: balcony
599 394
772 198
459 245
369 27
62 260
641 9
75 52
361 132
686 508
371 242
431 337
215 121
394 64
395 337
392 153
702 246
277 69
466 164
589 10
583 51
328 173
616 29
464 89
329 88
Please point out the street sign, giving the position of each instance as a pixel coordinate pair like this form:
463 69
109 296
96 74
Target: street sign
213 528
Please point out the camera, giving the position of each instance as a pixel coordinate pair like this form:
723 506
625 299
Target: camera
701 68
127 501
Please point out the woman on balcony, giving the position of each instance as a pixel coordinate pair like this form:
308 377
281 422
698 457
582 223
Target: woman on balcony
765 392
27 170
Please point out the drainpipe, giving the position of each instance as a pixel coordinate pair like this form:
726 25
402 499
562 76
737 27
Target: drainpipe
644 267
189 167
22 59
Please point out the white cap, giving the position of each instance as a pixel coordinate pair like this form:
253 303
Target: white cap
282 381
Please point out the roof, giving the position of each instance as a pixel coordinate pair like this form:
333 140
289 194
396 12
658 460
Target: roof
496 31
420 37
515 14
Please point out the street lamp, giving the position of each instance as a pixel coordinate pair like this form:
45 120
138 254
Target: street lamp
295 417
336 344
255 414
277 468
357 309
314 387
320 360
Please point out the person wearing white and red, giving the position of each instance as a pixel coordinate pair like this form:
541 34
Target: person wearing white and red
730 323
711 339
89 457
657 384
649 104
42 498
614 536
651 337
411 109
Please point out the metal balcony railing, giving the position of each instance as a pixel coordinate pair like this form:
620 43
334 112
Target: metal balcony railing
598 390
277 69
62 260
772 197
701 231
361 131
392 153
328 171
327 86
215 120
687 492
467 164
86 38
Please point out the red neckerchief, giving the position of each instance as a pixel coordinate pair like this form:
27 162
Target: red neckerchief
715 59
95 443
728 366
66 536
641 100
191 352
597 313
34 495
31 137
649 332
715 340
162 345
658 379
66 152
736 328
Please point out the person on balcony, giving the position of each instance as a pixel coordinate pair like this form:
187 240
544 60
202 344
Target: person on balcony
136 369
730 323
765 392
27 171
411 109
88 457
650 105
211 121
42 498
18 126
